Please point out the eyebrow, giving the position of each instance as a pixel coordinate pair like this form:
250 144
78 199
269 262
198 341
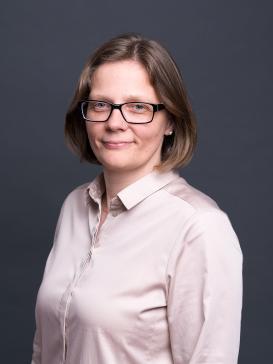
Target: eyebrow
128 98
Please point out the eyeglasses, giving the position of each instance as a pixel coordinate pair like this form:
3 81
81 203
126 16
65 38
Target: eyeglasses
132 112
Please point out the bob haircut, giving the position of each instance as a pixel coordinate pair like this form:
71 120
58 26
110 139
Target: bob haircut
164 75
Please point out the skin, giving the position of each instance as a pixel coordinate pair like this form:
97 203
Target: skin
127 152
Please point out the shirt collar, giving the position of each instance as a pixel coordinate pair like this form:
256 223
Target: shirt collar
133 194
96 189
145 186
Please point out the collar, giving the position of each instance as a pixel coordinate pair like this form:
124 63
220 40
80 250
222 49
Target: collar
133 194
144 187
96 189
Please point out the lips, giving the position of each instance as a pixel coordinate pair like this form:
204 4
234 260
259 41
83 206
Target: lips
115 141
111 144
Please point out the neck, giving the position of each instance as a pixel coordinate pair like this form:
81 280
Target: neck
115 181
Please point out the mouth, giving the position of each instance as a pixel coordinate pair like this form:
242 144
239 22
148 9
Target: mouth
109 144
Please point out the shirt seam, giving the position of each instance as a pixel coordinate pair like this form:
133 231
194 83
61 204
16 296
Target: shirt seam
177 239
171 252
208 208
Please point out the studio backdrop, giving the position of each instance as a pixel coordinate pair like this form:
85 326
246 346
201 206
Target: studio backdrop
224 51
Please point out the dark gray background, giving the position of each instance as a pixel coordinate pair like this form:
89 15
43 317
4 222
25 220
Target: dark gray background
224 49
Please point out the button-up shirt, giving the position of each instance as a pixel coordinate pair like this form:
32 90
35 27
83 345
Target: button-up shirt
159 282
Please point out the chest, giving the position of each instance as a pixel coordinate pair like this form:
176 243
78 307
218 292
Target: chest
112 278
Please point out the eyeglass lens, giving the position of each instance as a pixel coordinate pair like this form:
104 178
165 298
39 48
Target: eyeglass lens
133 112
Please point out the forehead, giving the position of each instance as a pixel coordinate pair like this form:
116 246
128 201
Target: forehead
122 78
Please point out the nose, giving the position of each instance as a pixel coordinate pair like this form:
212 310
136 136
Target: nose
116 121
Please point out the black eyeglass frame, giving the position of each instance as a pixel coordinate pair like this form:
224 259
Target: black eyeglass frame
156 107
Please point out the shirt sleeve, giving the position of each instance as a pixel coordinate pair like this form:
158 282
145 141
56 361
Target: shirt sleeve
204 278
36 353
37 341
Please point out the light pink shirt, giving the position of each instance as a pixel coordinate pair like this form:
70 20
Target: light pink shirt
159 283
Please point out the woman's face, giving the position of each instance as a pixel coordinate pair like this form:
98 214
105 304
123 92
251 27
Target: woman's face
119 146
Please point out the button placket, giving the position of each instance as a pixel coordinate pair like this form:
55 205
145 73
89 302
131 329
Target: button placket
85 262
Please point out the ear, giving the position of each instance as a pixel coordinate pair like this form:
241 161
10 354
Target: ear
169 132
169 127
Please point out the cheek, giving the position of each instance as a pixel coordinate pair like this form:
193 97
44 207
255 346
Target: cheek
92 133
150 135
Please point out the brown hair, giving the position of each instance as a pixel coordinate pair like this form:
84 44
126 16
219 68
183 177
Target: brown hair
177 149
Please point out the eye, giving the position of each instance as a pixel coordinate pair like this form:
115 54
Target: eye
138 107
98 105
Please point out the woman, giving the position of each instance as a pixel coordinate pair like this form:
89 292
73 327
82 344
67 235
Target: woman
144 267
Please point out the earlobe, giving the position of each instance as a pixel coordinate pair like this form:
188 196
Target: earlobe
170 126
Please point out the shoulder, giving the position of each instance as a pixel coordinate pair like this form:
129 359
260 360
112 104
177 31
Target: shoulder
80 190
76 198
195 200
205 220
202 216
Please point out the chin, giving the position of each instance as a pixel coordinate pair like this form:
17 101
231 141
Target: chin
117 164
